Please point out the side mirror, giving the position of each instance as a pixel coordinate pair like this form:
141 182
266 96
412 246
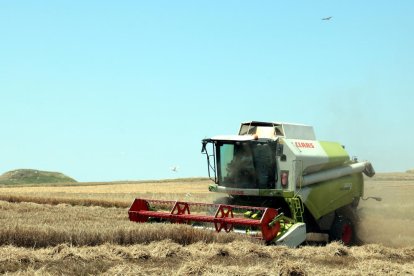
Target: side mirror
204 144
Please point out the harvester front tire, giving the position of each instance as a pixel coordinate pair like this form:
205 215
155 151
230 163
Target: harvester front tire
342 230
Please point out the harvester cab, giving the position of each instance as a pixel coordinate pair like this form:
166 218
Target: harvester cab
281 184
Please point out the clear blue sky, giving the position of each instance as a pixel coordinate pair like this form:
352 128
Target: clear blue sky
123 90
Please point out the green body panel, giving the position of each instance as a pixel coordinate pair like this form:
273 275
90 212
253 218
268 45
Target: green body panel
336 154
313 156
325 197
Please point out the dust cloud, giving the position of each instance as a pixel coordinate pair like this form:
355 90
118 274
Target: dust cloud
389 222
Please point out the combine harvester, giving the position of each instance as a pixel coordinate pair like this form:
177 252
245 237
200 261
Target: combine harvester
282 185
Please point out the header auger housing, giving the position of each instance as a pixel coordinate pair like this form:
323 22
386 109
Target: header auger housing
281 184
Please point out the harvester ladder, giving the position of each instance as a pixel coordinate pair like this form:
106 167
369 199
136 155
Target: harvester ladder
296 207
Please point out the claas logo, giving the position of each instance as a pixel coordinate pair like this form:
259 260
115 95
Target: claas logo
307 145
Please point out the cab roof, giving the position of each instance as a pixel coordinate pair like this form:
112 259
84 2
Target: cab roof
281 129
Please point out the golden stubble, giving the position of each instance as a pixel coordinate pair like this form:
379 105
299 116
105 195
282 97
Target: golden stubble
85 230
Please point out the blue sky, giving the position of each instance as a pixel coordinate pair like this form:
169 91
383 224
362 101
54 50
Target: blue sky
105 90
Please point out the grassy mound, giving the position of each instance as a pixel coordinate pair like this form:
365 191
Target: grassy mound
26 176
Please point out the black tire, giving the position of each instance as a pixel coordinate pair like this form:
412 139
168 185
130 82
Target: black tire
342 230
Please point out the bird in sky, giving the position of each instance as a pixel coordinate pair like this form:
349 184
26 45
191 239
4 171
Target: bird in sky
327 18
174 168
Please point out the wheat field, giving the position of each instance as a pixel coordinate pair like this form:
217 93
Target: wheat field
84 229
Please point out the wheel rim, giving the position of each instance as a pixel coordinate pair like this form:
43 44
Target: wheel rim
346 234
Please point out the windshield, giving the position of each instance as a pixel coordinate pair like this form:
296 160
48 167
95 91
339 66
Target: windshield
247 164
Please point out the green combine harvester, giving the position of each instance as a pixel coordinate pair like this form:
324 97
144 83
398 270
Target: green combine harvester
281 185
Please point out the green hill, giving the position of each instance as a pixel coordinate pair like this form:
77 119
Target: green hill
26 176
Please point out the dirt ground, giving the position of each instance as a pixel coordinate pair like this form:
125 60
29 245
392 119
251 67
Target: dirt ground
389 222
